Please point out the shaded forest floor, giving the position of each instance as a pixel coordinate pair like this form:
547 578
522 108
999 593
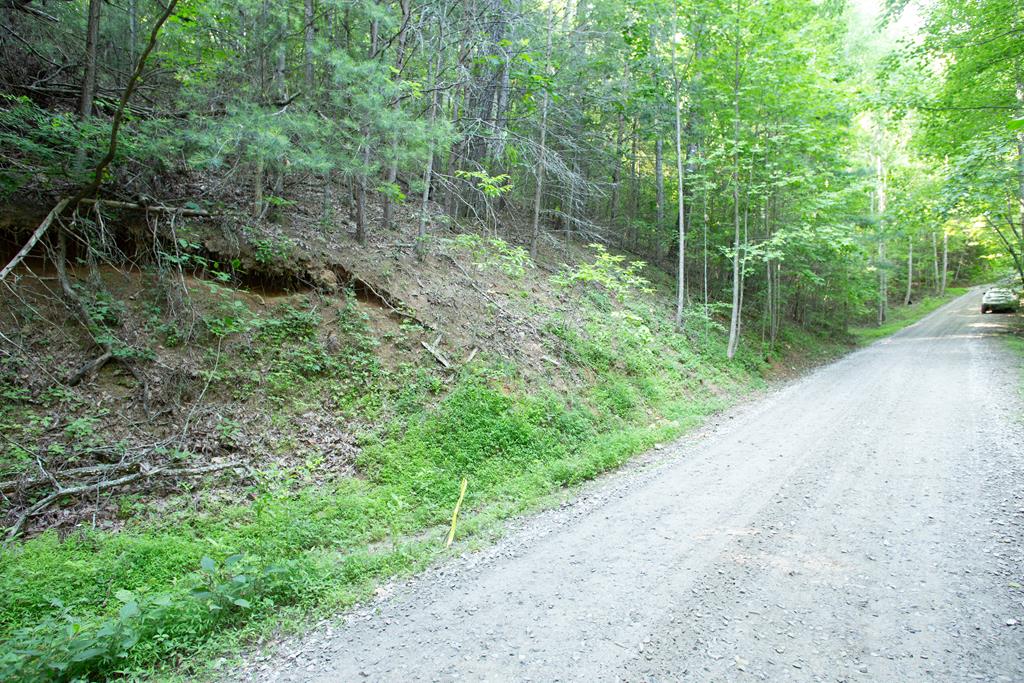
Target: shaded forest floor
294 414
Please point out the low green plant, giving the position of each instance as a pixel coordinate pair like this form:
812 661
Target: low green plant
609 271
493 252
268 250
488 185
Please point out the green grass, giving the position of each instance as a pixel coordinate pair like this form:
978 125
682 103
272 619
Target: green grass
175 589
904 316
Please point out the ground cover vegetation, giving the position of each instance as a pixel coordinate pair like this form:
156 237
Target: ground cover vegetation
281 274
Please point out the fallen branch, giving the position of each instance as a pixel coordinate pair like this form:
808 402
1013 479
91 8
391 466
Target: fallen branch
12 485
95 365
50 499
158 208
23 6
43 227
437 354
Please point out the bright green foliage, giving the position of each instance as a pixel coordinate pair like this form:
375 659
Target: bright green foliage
494 252
608 272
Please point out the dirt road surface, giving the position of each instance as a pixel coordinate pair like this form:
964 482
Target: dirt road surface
861 524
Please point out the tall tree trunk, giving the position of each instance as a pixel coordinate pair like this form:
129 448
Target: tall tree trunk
910 272
257 189
882 294
634 184
880 204
734 322
309 37
935 263
704 230
452 196
680 180
364 172
92 37
541 160
133 28
429 171
1020 172
746 242
88 94
945 260
659 181
572 210
613 200
392 176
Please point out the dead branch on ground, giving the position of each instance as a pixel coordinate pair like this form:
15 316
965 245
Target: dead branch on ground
42 504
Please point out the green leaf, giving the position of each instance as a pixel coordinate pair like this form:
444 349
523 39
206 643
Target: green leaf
208 564
129 611
124 596
1015 124
242 602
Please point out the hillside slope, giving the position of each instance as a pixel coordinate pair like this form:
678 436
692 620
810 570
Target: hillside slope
289 416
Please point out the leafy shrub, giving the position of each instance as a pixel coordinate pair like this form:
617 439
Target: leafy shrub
607 271
63 647
493 252
488 185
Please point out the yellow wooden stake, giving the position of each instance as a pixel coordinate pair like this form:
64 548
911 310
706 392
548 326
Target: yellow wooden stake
455 513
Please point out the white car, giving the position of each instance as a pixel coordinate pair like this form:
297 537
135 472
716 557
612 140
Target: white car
998 300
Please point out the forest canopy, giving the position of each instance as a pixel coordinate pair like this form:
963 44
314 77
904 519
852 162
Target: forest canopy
796 153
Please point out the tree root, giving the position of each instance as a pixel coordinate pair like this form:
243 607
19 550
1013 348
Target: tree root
93 366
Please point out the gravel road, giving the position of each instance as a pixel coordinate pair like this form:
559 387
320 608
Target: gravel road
860 524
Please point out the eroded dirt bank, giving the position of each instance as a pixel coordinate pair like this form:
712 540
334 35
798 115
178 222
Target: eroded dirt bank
863 523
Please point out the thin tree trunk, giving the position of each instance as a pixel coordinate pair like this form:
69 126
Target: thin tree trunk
364 172
883 286
613 201
451 203
392 175
92 37
539 193
945 260
680 180
704 230
133 28
88 94
1020 171
429 171
310 36
634 185
882 295
659 181
257 189
910 273
935 263
746 241
572 209
734 322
